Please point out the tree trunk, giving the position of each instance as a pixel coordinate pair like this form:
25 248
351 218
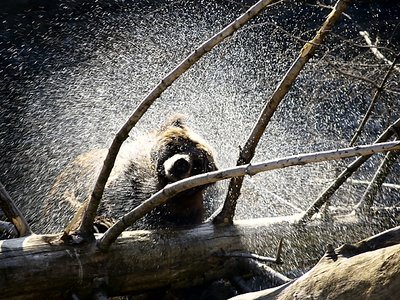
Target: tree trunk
42 267
373 275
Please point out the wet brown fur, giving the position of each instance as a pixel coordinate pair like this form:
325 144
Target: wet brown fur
136 176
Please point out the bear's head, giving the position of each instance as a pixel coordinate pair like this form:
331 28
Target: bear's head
179 153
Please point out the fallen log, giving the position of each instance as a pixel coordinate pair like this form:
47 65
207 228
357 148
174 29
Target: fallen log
366 270
40 266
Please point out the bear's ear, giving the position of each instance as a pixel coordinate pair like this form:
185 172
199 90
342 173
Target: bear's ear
177 120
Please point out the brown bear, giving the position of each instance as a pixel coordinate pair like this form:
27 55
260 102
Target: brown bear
142 168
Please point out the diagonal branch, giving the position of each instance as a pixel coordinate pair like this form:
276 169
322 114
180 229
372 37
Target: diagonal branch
381 240
374 99
367 199
375 49
362 78
352 75
351 168
13 213
250 169
85 227
247 153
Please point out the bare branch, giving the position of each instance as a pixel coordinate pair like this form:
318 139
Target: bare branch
373 101
375 51
249 255
13 213
250 169
366 182
279 28
323 6
247 153
85 228
267 273
352 75
381 240
352 41
367 199
325 196
276 260
362 78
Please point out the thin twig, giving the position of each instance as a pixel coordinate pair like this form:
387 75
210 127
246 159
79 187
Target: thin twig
247 152
279 28
249 255
350 169
266 272
366 182
375 51
362 78
323 6
368 197
373 101
276 260
250 169
13 213
355 44
279 251
352 75
85 227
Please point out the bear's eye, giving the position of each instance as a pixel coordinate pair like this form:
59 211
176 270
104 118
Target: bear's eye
199 166
182 166
177 167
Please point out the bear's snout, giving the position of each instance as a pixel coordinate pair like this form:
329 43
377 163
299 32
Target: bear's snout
178 167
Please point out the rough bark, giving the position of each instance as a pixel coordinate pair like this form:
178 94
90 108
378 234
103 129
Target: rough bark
37 267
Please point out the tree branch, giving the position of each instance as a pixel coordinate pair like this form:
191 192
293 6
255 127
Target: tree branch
321 200
13 213
381 240
362 78
247 153
375 50
85 227
367 199
373 101
39 267
366 182
365 270
250 169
